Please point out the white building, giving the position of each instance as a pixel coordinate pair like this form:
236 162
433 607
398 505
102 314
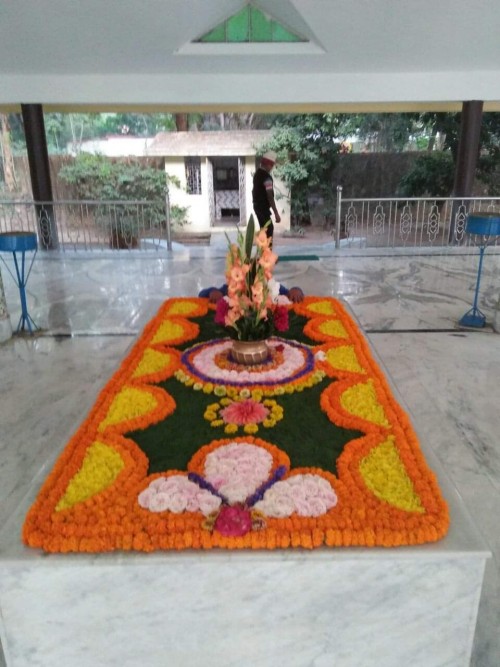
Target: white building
113 145
215 171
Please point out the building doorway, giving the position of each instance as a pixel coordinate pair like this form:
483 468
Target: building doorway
227 186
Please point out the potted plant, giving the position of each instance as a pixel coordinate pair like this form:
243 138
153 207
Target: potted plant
248 314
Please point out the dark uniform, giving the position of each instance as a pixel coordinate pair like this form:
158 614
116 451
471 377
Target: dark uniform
262 184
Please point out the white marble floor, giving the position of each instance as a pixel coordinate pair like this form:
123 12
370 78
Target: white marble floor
90 307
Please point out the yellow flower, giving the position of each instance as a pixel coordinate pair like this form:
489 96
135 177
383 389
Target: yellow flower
100 467
168 331
385 475
322 308
344 358
182 308
361 400
151 362
129 403
333 328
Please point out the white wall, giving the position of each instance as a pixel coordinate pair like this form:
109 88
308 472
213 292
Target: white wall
199 210
198 213
112 146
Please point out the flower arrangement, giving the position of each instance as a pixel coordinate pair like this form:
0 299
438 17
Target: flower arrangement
102 496
249 313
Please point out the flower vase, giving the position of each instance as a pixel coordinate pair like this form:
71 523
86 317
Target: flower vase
250 352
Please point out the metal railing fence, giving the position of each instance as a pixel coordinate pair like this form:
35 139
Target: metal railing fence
91 225
411 222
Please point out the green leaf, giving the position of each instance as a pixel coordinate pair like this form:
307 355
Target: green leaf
249 236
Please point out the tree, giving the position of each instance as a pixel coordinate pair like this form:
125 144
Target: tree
237 121
435 175
383 132
99 179
307 146
432 175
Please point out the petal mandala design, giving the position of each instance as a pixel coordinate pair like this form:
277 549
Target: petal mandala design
361 400
177 494
325 329
137 407
385 475
174 331
155 365
100 467
333 328
236 470
197 462
314 306
343 358
307 495
185 308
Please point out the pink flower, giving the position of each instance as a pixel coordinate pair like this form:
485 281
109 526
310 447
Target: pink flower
233 521
268 260
261 240
257 293
221 311
244 412
281 318
237 275
232 317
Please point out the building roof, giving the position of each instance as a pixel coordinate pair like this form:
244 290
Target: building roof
230 142
358 55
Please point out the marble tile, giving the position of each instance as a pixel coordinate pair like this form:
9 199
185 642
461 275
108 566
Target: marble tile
452 383
90 307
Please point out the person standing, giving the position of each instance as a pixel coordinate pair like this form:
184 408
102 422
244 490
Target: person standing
263 194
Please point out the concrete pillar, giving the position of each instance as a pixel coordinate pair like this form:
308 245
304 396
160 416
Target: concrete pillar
467 154
38 158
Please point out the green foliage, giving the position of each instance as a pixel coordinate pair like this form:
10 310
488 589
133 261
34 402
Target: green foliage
387 132
96 178
432 175
307 146
179 216
321 449
250 233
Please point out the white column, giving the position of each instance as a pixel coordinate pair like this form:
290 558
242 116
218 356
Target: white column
5 325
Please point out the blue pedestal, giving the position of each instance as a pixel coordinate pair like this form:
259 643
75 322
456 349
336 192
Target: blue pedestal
484 225
20 242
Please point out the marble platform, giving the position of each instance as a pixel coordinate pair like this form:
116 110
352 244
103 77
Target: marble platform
345 607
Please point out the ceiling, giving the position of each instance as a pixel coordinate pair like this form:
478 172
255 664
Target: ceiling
360 54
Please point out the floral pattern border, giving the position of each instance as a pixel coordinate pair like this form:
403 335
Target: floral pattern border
384 493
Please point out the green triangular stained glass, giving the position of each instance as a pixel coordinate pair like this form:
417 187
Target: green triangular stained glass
249 25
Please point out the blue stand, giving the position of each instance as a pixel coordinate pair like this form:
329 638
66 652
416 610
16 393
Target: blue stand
20 242
484 225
